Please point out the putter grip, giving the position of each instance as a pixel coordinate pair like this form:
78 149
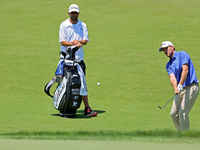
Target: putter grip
75 49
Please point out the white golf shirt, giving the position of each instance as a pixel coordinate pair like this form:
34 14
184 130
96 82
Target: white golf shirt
69 32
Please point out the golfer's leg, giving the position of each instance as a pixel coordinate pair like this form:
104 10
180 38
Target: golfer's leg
188 101
174 111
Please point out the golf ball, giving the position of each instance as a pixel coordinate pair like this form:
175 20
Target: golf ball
98 83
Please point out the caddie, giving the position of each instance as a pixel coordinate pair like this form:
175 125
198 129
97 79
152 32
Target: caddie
73 32
183 78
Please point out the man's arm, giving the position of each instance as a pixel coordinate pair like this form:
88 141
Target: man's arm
182 80
66 43
184 74
83 42
174 82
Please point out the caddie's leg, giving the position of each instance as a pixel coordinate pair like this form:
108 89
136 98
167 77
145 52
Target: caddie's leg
189 98
174 111
85 100
88 111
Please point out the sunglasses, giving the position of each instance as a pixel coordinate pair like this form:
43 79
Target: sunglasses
74 13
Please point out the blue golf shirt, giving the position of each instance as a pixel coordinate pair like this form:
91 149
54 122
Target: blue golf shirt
175 66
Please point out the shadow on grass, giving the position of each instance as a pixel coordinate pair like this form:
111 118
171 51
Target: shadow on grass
79 114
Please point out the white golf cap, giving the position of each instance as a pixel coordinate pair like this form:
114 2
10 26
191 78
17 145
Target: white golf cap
73 8
165 44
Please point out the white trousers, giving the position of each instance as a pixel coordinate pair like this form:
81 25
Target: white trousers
182 105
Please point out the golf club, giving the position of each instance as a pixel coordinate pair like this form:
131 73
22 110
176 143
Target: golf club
166 103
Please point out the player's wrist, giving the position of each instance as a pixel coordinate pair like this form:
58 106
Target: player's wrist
180 87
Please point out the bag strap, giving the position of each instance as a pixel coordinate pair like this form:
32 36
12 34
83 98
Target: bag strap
48 86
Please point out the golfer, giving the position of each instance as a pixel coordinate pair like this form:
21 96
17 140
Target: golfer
184 81
73 32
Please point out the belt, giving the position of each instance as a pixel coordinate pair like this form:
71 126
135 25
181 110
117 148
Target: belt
190 85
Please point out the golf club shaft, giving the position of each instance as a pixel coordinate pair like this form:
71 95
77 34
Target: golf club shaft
168 101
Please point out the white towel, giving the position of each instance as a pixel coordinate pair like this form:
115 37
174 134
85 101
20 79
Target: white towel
83 89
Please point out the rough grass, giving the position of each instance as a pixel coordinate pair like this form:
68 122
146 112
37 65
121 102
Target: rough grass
159 136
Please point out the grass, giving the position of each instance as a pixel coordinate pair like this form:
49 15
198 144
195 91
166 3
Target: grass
122 55
157 136
98 145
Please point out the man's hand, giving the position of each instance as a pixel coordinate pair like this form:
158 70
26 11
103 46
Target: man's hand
75 42
180 88
79 45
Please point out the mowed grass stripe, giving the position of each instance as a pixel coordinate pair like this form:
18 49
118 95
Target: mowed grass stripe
6 144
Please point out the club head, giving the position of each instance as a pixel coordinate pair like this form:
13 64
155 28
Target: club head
159 107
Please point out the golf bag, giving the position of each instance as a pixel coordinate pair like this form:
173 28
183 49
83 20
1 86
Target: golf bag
67 98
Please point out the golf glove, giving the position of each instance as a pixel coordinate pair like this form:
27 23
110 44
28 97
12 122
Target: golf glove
180 87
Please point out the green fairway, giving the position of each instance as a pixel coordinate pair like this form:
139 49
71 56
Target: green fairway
122 55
